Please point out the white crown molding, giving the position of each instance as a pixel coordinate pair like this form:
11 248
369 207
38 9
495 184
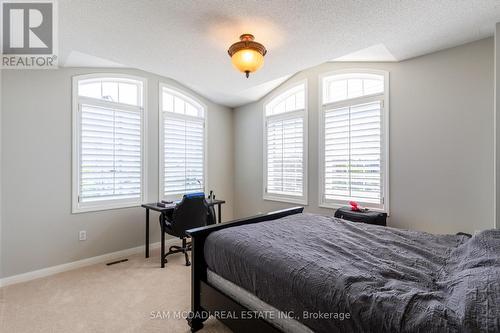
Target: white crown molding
40 273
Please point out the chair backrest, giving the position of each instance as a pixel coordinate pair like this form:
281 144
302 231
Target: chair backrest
191 212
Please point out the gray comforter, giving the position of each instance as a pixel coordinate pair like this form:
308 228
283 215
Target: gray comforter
387 279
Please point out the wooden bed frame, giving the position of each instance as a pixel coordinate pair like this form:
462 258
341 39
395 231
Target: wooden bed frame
206 299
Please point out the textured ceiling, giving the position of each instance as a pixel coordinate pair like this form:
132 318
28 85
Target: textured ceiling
187 40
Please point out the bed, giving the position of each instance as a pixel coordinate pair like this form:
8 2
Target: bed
289 271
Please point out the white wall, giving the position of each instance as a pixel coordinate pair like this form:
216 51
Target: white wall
1 200
497 124
441 141
39 230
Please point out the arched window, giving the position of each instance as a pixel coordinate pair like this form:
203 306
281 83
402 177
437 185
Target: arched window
285 156
353 139
108 142
182 144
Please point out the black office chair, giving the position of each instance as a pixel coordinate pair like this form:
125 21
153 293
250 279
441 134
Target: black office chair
192 212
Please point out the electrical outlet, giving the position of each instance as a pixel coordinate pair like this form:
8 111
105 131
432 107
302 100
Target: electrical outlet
82 235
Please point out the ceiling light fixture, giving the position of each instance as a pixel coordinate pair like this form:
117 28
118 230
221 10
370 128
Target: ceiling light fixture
247 55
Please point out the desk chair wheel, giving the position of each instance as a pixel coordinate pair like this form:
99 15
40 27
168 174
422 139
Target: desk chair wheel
185 248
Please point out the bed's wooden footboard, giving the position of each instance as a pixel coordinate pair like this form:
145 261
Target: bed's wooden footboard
204 298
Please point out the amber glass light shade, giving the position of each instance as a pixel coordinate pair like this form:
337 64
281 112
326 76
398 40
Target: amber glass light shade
247 61
247 55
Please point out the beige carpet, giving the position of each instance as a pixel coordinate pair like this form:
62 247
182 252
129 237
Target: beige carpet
100 298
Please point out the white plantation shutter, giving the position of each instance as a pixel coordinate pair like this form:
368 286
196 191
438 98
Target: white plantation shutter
108 143
183 154
285 151
353 153
285 156
354 144
110 156
182 143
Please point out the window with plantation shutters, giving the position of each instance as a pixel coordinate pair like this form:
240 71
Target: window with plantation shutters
108 143
182 144
353 137
285 155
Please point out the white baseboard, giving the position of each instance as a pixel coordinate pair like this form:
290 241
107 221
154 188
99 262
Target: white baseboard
80 263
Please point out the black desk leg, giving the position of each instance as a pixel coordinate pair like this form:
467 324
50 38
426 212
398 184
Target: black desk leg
162 222
147 233
219 213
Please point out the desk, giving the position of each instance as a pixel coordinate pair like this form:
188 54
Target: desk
169 208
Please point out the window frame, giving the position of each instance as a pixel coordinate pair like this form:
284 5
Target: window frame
76 206
384 97
302 200
161 159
